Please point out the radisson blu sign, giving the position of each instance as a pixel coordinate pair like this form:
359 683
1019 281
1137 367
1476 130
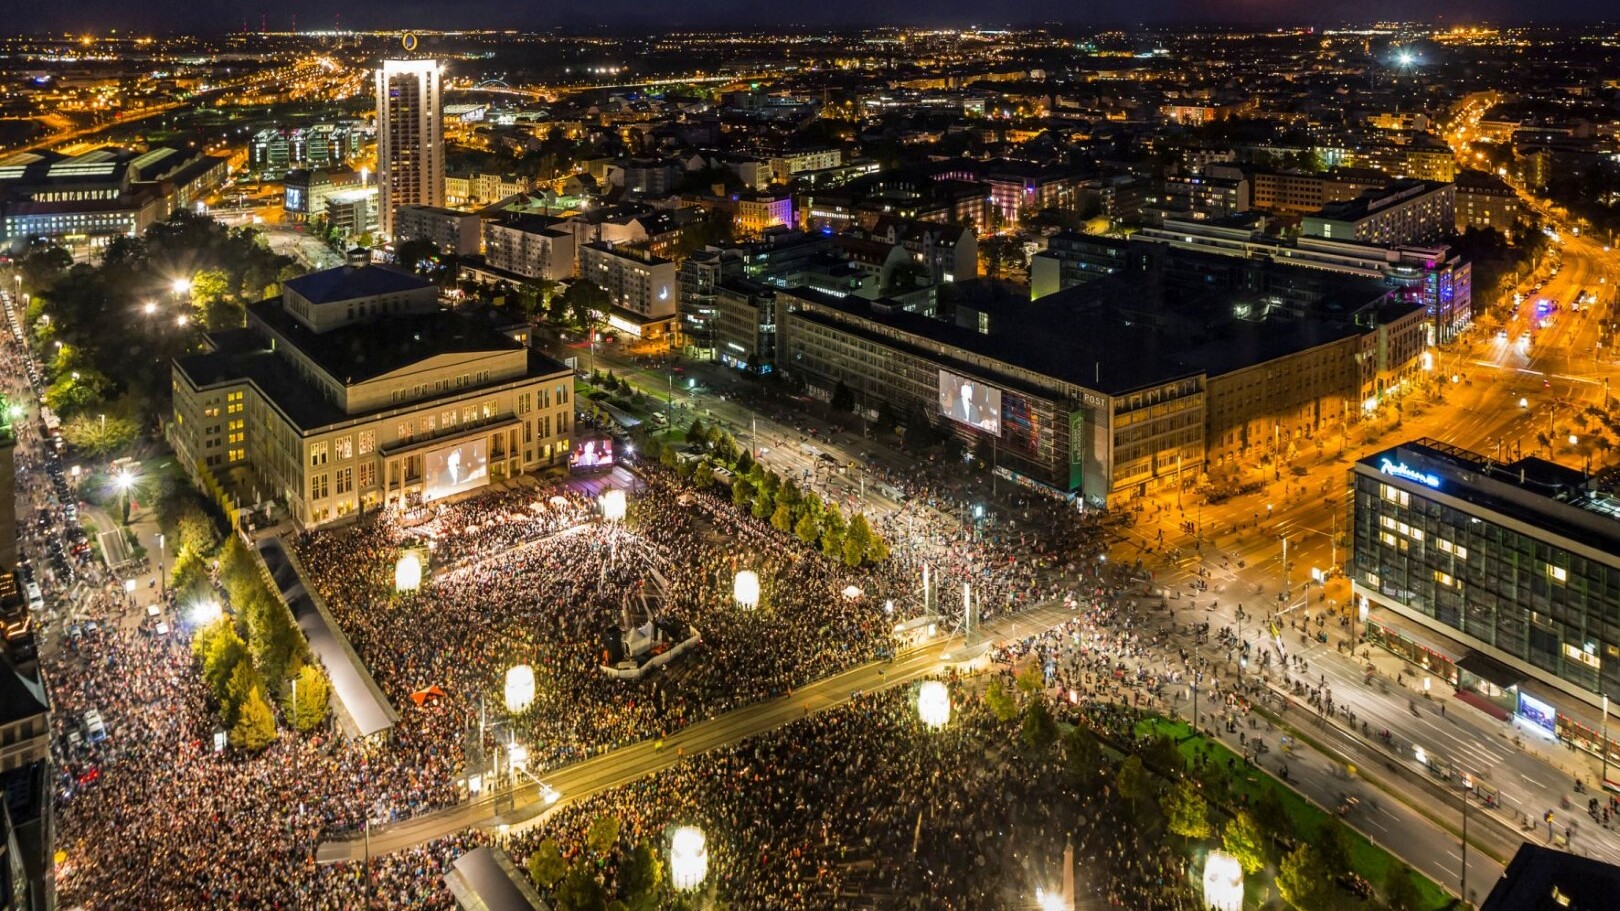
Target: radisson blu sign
1400 470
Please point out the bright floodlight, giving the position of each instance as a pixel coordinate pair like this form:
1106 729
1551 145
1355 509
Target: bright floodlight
181 285
1223 882
745 589
206 612
519 688
934 704
123 479
688 858
612 503
408 572
1050 901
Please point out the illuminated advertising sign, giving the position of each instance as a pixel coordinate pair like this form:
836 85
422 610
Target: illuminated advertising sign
454 469
970 402
1400 470
589 455
1538 713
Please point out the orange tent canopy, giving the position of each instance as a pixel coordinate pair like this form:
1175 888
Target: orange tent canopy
420 697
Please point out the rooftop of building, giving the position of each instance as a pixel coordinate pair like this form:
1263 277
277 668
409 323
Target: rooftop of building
1374 201
1540 493
1545 879
1095 350
352 282
240 355
361 351
440 211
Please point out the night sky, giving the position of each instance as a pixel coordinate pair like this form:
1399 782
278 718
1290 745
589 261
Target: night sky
630 16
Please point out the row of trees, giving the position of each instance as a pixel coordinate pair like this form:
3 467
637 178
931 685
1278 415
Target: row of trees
767 496
1161 791
611 873
255 655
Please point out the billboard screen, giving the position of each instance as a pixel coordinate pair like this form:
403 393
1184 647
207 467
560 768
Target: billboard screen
1538 713
591 454
454 469
970 402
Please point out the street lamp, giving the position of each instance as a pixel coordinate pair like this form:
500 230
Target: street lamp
123 480
745 589
181 286
934 704
519 688
688 858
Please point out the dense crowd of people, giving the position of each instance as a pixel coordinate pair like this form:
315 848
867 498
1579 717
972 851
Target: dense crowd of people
532 576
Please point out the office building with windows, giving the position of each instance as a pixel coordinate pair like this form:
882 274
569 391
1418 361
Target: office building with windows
410 137
354 390
1500 578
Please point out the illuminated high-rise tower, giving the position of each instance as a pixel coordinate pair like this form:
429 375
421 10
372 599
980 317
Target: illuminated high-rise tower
410 137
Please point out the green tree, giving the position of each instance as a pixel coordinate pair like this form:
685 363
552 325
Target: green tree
1083 755
641 878
1400 890
853 551
314 696
860 533
226 652
1039 729
697 433
1272 816
1030 679
742 492
244 680
585 299
1131 782
546 865
703 474
877 549
195 531
76 390
1000 702
603 835
1185 810
580 890
832 542
763 504
1242 838
99 435
807 528
1333 843
1303 880
782 518
842 398
744 463
255 726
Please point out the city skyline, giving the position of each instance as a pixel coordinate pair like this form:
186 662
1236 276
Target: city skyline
178 17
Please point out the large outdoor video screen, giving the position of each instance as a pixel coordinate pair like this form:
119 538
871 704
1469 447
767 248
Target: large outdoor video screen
970 402
589 455
456 468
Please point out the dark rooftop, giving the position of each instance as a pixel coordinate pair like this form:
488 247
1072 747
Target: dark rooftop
1535 491
361 351
1543 879
241 354
350 282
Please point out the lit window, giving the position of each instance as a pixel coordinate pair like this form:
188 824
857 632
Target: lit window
1558 573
